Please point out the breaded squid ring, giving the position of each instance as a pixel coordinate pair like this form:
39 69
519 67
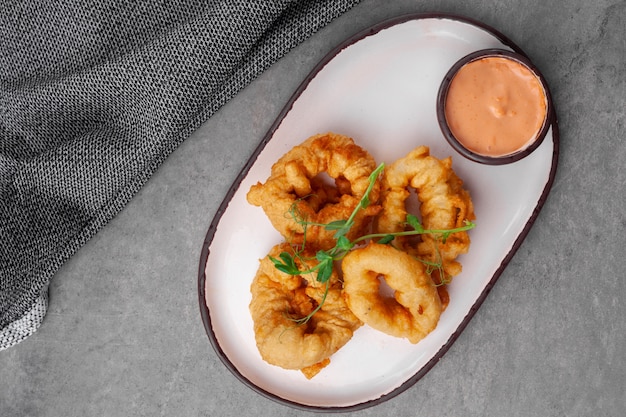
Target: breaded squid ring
278 299
415 307
295 187
444 205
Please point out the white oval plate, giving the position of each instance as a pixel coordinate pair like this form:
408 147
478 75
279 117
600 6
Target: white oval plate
380 88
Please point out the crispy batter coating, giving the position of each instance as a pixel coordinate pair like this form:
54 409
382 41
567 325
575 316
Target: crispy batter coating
444 204
322 181
298 186
415 307
278 299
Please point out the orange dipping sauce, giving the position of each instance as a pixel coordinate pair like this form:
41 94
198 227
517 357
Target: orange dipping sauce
495 106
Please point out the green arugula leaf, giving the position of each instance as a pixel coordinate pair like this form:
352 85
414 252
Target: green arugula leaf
325 266
336 225
325 271
386 239
285 264
414 222
344 244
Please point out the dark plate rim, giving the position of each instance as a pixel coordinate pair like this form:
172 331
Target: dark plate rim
204 254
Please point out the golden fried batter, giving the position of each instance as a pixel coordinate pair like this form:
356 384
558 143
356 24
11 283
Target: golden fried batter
415 307
278 299
444 205
296 187
322 181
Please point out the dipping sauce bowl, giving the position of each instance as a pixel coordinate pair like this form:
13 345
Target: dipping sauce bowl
494 107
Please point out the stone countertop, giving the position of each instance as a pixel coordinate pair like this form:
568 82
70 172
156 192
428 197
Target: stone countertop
123 334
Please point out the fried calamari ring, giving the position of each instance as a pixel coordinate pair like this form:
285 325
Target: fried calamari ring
444 205
278 299
296 187
415 307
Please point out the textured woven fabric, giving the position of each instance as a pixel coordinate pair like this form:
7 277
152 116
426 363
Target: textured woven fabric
94 96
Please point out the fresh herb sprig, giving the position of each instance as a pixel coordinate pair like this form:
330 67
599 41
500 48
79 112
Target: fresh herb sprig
326 258
286 262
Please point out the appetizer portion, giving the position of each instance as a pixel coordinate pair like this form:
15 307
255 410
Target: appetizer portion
347 228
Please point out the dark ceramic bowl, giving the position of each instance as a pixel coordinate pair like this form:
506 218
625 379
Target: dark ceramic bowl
516 155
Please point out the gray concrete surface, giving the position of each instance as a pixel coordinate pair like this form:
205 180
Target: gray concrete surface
123 335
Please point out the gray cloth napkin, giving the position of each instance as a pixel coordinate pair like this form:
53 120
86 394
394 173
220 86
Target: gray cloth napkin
94 95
